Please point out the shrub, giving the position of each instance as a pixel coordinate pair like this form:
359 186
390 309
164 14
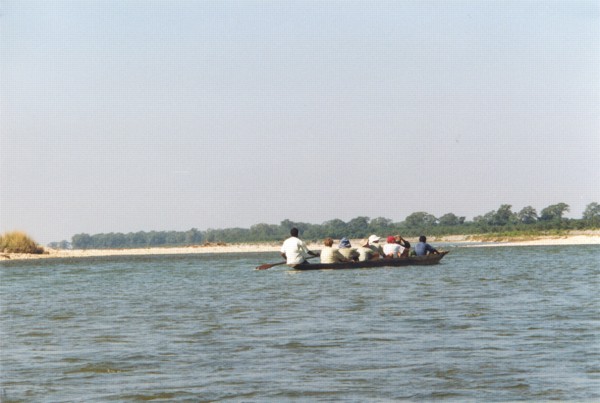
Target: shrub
19 242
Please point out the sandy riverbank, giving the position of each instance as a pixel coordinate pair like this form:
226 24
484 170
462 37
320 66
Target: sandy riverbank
573 238
588 237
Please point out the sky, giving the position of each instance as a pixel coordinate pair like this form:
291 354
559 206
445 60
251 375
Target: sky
125 116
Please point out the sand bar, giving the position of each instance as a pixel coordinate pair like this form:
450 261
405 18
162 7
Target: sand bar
591 237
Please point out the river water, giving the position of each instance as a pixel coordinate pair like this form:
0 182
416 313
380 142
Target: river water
486 324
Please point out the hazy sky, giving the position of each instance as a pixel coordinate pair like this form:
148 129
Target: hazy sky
120 116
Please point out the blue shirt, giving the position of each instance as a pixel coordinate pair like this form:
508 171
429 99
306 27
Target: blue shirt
422 248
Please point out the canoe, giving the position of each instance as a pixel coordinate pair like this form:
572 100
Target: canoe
409 261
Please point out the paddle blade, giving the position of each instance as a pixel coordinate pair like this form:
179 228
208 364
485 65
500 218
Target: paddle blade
268 266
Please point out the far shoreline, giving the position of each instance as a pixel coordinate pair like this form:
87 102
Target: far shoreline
589 237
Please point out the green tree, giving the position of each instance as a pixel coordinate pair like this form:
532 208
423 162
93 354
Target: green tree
118 240
302 227
335 228
81 241
420 219
488 217
174 238
264 232
60 245
192 237
554 212
380 225
527 215
357 227
451 219
503 216
380 222
136 239
154 238
592 214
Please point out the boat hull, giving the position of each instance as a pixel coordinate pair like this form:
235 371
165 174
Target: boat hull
409 261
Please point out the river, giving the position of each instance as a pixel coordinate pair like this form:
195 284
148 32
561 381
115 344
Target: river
486 324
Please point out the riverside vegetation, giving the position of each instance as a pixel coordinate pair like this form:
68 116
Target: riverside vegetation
19 242
502 223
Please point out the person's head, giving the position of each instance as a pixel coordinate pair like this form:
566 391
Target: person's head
328 242
422 238
374 239
397 238
345 243
391 239
294 232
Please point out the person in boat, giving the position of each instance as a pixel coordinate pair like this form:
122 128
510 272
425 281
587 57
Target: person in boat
373 244
404 244
391 249
365 252
423 248
329 254
347 250
294 250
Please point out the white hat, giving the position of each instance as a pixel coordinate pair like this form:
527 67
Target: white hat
374 239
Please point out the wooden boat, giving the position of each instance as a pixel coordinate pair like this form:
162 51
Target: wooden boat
409 261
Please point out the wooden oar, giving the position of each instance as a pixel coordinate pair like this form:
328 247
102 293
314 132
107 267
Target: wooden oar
268 266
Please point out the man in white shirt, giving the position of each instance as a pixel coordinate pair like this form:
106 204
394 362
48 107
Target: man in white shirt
392 249
373 244
367 251
294 250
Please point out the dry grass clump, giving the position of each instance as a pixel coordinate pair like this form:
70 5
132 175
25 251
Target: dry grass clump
19 242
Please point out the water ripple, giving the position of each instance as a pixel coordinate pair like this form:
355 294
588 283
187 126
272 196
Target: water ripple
488 324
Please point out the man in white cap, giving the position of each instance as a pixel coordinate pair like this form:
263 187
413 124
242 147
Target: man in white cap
364 252
370 245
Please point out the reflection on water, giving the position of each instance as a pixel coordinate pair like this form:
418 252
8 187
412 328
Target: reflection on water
486 324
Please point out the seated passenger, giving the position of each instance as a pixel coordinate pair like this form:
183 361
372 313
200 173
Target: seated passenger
347 250
405 245
329 254
294 250
391 249
373 244
423 248
365 252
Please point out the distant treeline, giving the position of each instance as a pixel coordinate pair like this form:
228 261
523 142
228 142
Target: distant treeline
501 220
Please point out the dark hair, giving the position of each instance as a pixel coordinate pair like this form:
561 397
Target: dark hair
294 232
422 238
328 242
